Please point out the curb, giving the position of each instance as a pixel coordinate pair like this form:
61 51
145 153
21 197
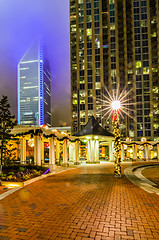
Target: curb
134 175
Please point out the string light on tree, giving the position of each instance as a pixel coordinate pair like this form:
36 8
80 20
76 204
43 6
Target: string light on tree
116 105
117 142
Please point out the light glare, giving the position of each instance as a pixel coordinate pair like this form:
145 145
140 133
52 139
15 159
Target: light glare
116 105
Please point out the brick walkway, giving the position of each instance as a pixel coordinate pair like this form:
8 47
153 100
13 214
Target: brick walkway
83 203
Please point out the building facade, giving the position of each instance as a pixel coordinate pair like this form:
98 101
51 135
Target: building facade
34 88
115 44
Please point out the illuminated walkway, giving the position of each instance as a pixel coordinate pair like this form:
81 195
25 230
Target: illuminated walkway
83 203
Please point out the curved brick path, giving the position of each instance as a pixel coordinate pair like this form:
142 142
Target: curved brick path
83 203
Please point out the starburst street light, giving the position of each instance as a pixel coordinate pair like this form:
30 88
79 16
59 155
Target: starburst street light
116 105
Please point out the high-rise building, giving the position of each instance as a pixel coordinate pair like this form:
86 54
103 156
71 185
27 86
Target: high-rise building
115 44
34 87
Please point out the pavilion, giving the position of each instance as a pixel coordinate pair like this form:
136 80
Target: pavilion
38 138
63 148
94 135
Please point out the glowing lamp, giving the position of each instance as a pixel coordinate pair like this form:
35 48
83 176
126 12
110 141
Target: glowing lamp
64 133
47 144
150 147
54 130
143 139
141 148
88 137
128 139
116 105
31 142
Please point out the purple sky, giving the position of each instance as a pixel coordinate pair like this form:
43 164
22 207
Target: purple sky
21 22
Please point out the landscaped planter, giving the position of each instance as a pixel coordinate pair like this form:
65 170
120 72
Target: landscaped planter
16 174
10 184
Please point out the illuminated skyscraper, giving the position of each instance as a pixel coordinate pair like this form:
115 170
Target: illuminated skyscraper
34 88
114 43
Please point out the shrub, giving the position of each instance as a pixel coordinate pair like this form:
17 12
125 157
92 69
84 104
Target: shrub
3 176
26 177
21 169
21 172
10 177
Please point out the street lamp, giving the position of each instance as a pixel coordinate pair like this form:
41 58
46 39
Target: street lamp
115 105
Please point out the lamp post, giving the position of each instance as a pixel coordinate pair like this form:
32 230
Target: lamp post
114 105
116 131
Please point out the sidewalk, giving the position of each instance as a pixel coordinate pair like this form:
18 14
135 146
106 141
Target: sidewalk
87 202
4 188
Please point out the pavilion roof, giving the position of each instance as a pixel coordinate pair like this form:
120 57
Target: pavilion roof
93 128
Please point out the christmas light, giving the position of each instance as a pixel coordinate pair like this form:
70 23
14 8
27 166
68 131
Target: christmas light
116 105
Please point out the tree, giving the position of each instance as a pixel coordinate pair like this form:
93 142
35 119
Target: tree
117 146
7 122
10 152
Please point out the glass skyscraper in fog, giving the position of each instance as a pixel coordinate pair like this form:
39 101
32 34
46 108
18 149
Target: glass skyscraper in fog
34 88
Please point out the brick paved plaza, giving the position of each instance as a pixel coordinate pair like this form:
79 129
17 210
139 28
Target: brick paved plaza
81 203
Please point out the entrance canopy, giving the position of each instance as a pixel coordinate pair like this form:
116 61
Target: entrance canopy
94 129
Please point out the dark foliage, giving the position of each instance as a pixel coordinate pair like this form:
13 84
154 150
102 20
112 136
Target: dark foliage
7 122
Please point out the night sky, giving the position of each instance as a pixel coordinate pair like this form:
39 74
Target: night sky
22 22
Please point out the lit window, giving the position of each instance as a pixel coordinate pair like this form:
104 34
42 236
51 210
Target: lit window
82 101
74 95
89 32
82 93
146 70
74 101
98 85
154 34
138 64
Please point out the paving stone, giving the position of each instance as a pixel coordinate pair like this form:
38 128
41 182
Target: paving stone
21 229
38 214
3 227
32 206
82 203
4 237
130 232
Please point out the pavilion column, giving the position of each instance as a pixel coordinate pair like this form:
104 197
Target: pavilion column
57 151
77 152
97 150
52 155
134 152
65 158
122 152
92 153
42 151
158 151
23 150
146 152
88 151
37 150
72 157
110 151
